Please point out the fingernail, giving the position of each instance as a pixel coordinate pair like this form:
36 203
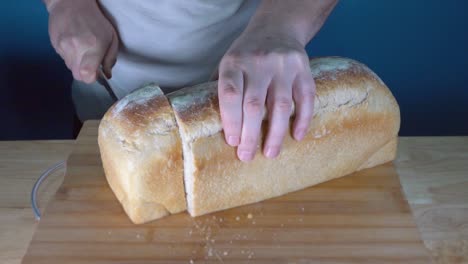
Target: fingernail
245 155
299 135
272 152
233 140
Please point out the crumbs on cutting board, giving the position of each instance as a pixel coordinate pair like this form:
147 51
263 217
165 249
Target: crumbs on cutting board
208 227
248 252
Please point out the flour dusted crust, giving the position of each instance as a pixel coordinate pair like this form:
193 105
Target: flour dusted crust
355 126
152 150
142 155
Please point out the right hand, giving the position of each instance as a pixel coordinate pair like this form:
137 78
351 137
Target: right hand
83 37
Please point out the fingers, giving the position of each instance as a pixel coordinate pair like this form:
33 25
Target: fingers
111 56
253 106
279 102
242 99
83 37
83 55
230 90
89 66
69 48
65 49
303 95
251 72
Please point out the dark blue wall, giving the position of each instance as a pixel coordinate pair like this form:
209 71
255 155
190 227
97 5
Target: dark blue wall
35 98
418 47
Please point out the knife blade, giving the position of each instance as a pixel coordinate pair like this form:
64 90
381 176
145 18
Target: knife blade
102 79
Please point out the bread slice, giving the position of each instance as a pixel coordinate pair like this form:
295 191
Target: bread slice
355 126
141 154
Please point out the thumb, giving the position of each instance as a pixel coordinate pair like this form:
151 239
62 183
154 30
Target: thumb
89 65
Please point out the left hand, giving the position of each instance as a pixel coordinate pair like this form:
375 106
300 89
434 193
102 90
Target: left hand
264 69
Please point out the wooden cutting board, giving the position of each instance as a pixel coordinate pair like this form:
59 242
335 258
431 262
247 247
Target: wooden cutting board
360 218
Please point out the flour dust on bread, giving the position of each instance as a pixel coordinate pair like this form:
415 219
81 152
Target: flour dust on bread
149 156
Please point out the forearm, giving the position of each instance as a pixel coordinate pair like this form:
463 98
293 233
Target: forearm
51 3
299 19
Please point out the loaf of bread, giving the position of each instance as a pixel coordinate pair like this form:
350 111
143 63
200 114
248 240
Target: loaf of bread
149 163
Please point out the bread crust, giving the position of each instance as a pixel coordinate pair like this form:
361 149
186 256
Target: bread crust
355 115
162 158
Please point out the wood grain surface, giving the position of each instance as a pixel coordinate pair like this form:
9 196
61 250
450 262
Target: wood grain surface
434 175
360 218
21 163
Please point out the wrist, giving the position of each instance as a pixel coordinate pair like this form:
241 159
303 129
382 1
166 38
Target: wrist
281 26
299 20
272 29
50 4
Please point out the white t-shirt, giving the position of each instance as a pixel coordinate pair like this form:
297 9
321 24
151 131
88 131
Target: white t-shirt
174 43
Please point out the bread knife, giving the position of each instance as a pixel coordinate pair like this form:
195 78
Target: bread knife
102 79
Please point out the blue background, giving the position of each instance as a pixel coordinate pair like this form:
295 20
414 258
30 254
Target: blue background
418 47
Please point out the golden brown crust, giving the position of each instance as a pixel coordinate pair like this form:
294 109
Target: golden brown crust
355 125
197 107
222 181
355 116
385 154
142 155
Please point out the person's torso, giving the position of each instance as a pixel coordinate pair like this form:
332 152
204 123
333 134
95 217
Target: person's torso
174 43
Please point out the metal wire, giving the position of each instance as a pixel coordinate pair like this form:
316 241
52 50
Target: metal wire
44 175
